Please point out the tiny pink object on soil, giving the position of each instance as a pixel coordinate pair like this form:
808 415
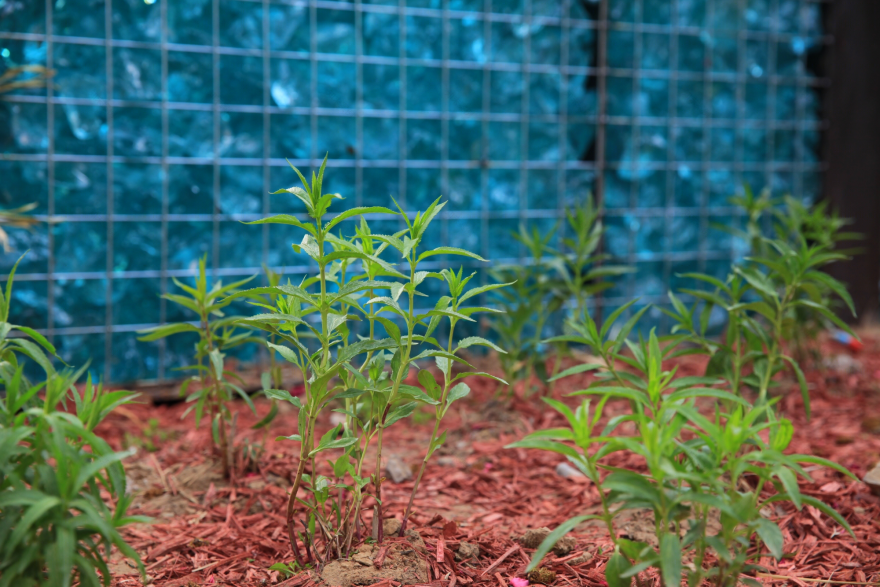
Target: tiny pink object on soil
519 582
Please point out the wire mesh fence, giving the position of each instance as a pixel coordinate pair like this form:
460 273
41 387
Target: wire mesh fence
169 122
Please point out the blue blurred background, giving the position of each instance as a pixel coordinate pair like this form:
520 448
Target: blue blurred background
168 122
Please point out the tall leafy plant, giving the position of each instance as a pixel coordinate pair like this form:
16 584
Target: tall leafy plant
528 305
562 277
214 385
771 298
56 525
366 375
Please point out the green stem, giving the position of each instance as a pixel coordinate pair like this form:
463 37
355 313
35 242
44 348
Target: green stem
398 378
439 411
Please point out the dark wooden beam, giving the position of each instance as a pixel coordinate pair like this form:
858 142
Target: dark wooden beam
852 143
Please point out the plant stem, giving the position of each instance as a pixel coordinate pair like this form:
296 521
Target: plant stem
297 481
439 410
398 378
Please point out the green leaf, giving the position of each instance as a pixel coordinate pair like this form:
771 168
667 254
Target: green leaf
771 535
284 396
550 541
692 392
828 511
577 369
158 332
448 251
357 212
363 346
459 391
338 443
294 437
802 382
624 392
286 218
29 349
789 481
478 374
476 340
416 394
757 280
437 443
268 418
432 388
543 444
617 565
670 559
478 290
287 353
33 513
825 463
39 338
835 286
400 412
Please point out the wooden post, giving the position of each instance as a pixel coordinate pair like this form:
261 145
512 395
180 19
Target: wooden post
852 143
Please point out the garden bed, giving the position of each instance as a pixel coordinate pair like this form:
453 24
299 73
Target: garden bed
210 532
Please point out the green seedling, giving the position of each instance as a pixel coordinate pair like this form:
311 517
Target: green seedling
770 299
556 278
215 385
19 342
527 305
57 527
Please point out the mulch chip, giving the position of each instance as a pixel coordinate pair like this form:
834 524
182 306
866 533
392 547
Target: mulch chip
207 532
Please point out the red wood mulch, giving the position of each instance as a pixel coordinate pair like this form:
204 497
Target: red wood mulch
209 533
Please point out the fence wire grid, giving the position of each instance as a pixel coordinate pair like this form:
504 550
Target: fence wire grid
168 123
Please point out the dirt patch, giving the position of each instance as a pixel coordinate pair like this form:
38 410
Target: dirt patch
400 560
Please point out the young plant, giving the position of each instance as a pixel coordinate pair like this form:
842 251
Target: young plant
698 468
18 341
56 527
217 333
453 387
527 305
557 278
367 376
768 299
580 267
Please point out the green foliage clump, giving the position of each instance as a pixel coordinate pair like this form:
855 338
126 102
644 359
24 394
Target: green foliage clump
554 279
725 467
699 468
778 295
360 370
217 332
55 526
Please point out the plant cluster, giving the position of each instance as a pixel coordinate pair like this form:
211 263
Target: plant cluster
55 523
554 279
776 296
375 372
799 226
700 469
708 477
215 385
